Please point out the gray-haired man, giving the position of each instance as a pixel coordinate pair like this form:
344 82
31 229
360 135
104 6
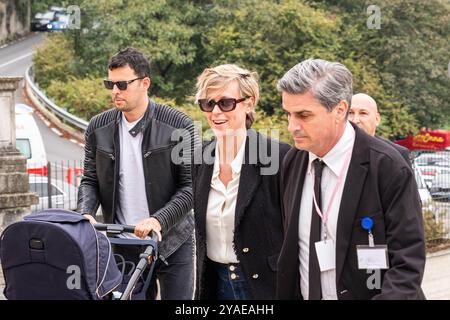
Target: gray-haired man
352 215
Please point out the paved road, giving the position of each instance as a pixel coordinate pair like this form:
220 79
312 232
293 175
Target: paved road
57 148
14 60
436 279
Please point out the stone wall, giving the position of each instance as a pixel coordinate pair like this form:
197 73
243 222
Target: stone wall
14 19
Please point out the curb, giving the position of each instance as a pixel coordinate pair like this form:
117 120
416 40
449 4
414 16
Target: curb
7 44
439 253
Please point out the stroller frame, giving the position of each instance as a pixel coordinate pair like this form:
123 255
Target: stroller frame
59 254
148 257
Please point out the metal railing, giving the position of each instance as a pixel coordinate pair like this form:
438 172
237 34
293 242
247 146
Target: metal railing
58 179
432 173
51 106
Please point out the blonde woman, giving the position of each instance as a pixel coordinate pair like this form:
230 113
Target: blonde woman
236 199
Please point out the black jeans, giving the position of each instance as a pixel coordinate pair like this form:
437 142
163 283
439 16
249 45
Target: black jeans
176 279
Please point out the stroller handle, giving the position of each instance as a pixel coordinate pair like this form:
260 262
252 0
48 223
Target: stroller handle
116 229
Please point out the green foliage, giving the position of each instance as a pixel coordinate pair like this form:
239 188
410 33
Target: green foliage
403 65
22 7
434 228
40 5
409 54
85 97
43 5
274 126
161 29
269 37
53 60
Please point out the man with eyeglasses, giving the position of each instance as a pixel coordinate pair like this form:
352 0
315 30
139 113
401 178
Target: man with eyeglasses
130 172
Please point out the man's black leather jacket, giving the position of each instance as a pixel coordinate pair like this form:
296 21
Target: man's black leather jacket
168 185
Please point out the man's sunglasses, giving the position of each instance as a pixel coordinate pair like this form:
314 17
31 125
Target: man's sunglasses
121 85
226 104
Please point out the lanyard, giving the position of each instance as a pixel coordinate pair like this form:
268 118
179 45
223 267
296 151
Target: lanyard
324 216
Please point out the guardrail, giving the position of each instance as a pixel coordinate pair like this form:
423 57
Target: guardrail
61 113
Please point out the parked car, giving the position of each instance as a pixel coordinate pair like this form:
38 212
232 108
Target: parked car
432 158
41 20
440 190
63 195
424 193
55 18
60 22
432 165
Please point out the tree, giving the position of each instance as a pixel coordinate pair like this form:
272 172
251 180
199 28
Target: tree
163 30
409 52
393 64
269 37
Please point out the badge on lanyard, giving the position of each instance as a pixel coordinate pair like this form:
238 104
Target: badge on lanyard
326 254
326 249
371 256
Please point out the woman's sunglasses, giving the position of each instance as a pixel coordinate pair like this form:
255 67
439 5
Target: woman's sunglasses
225 104
121 85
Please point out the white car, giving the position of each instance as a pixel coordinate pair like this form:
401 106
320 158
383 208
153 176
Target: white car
29 141
64 195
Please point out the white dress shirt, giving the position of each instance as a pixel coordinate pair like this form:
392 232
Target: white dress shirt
334 160
221 210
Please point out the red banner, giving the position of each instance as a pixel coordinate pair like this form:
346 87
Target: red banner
427 140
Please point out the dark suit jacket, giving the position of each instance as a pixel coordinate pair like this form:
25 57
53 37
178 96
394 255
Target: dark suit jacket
379 184
403 151
258 227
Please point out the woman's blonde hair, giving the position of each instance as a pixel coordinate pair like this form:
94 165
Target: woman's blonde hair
220 76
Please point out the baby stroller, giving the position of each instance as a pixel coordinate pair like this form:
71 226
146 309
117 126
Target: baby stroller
58 254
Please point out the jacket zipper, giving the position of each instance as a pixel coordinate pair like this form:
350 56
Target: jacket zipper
148 153
110 155
116 170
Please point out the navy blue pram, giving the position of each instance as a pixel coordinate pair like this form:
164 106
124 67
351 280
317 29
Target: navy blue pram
58 254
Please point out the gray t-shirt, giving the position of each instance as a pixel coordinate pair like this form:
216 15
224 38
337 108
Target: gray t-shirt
133 206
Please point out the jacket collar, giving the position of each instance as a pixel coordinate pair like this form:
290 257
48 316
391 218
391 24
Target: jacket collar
253 155
248 183
250 176
335 158
143 123
236 163
354 184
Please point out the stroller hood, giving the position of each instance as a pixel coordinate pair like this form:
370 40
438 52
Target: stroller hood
59 240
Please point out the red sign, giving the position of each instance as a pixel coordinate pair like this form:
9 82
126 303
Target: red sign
427 140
